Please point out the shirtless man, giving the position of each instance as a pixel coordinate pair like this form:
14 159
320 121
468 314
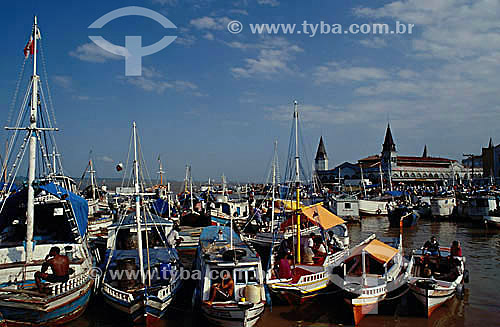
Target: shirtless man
59 264
224 289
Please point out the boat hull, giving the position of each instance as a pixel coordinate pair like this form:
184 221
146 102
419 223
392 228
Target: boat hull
371 207
431 299
245 315
492 221
57 311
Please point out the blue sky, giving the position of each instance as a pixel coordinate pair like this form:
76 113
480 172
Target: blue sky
218 100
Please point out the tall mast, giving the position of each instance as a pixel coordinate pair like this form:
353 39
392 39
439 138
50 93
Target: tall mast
274 185
297 174
161 172
30 212
191 189
138 206
92 179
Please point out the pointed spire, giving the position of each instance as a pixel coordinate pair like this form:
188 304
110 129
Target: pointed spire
424 155
321 153
491 144
389 145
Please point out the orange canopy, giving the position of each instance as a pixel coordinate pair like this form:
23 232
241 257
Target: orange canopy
380 251
321 216
318 215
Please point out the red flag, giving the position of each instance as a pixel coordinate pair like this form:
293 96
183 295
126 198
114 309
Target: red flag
28 49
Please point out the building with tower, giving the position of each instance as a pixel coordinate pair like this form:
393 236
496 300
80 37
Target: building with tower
395 168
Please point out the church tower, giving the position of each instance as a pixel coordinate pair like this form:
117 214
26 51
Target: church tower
389 153
321 160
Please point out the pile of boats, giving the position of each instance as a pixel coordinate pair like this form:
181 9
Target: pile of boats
247 251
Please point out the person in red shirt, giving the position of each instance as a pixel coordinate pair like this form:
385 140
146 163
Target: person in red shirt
455 249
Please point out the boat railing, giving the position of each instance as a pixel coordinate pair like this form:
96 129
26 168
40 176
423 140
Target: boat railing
375 291
312 277
71 284
124 296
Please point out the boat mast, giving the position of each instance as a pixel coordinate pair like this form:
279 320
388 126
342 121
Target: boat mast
274 185
297 174
30 212
138 206
160 171
92 179
191 189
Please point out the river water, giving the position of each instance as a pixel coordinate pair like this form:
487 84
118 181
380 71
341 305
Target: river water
480 306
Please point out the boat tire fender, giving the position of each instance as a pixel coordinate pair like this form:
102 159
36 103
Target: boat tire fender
466 276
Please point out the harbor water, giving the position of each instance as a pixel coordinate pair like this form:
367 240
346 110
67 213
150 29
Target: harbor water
479 307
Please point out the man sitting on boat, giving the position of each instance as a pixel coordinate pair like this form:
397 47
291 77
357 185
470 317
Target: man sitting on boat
59 264
432 247
224 290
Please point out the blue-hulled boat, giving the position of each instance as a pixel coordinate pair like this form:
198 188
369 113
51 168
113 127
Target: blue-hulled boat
141 270
220 249
46 212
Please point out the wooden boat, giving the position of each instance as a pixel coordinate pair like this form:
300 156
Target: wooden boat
476 207
45 213
308 280
492 221
346 207
220 249
443 206
372 270
403 214
375 206
444 283
142 271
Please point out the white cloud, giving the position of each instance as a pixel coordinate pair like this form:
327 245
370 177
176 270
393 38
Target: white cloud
105 159
376 42
209 36
64 82
272 3
92 53
238 12
210 23
152 80
335 72
274 56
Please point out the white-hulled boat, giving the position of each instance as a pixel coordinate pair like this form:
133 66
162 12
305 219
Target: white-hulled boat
477 207
492 221
373 206
142 271
443 206
220 249
446 281
346 207
45 213
372 271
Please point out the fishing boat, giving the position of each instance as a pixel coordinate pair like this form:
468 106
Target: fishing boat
303 280
376 206
436 279
476 207
403 214
221 249
493 219
443 206
372 271
45 213
142 271
345 206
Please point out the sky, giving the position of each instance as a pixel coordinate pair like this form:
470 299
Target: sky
218 100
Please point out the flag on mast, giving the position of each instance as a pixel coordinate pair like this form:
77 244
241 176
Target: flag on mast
29 48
